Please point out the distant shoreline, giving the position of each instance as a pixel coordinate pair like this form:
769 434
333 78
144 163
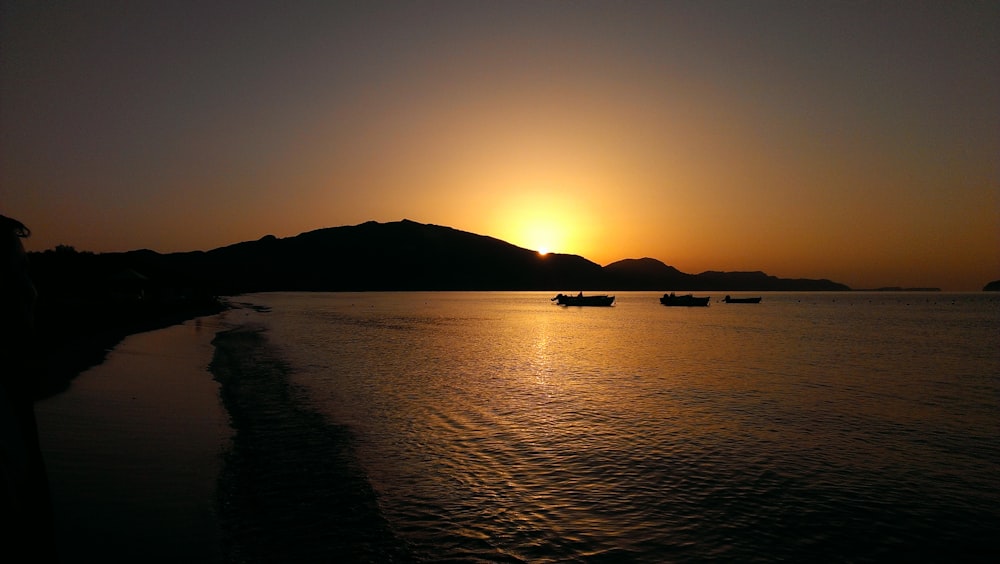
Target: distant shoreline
897 289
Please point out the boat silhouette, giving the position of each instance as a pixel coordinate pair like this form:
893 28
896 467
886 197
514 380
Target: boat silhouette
687 300
581 300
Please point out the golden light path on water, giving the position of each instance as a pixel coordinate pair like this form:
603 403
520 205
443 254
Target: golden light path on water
501 423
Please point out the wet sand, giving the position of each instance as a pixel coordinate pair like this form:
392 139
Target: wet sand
133 450
189 444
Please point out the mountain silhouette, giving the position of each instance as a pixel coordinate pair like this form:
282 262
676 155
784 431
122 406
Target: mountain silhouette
87 302
399 256
372 256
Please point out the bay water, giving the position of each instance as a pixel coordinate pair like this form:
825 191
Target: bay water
497 426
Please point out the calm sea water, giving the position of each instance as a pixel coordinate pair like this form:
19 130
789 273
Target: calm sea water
501 427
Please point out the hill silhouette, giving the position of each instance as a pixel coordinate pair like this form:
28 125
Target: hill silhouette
372 256
407 255
88 301
403 255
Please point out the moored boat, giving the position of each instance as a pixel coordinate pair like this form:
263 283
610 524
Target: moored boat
730 300
686 300
581 300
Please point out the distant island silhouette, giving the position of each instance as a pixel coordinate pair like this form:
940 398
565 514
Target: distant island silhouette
897 289
993 286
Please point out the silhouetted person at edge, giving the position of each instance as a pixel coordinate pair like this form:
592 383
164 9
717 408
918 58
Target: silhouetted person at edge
26 525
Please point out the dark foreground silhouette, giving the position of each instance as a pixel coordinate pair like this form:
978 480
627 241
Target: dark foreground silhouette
57 318
27 533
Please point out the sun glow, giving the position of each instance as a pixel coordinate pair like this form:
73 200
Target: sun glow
534 217
541 236
546 213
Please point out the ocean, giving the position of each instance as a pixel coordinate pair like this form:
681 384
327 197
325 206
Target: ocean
500 427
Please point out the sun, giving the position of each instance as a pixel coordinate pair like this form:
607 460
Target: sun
543 220
547 233
544 235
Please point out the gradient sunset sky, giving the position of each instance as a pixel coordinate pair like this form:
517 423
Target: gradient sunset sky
856 141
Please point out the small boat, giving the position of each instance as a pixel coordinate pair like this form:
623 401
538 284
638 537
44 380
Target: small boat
731 300
686 300
581 300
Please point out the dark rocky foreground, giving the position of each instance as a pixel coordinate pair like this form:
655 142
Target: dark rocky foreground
291 489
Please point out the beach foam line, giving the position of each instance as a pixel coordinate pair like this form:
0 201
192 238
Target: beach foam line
291 489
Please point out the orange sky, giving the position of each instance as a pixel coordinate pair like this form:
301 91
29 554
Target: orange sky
859 143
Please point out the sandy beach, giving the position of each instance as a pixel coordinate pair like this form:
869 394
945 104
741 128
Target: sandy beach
134 448
189 444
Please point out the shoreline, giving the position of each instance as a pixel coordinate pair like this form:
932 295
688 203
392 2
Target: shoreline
68 341
291 488
136 469
133 450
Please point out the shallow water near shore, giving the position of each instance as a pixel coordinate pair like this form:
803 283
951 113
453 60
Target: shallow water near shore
500 427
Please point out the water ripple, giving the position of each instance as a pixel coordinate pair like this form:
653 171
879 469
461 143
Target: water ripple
495 428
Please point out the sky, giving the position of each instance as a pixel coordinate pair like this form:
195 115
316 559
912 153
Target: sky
855 141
